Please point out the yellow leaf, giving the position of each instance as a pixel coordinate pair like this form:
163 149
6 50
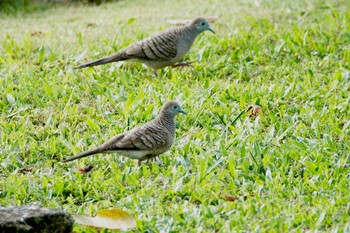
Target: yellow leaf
113 213
111 219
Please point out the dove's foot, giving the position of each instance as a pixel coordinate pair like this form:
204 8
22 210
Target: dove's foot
183 64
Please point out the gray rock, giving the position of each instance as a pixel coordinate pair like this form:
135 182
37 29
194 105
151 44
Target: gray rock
34 219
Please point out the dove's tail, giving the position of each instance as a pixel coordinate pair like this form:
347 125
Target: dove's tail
105 60
86 153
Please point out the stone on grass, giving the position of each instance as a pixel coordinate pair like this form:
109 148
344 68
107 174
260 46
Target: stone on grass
34 219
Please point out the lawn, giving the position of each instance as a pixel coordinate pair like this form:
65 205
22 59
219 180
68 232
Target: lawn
288 166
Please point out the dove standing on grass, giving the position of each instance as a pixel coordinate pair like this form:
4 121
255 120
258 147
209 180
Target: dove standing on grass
160 50
143 142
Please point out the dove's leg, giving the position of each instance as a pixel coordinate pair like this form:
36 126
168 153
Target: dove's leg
155 72
183 64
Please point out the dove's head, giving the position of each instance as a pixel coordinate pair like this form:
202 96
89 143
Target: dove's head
172 108
201 25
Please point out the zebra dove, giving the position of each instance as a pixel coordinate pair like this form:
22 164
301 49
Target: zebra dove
143 142
160 50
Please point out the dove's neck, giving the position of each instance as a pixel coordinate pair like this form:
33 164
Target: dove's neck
192 31
167 120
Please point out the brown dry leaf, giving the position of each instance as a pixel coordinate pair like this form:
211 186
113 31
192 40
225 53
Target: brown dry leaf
182 22
26 169
255 110
235 198
111 219
212 19
86 169
36 33
231 198
89 24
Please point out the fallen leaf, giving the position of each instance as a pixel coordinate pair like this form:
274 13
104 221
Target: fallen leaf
36 33
89 24
179 22
235 198
86 169
231 198
255 110
25 169
212 19
111 219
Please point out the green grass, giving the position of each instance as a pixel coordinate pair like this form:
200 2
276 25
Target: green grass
290 57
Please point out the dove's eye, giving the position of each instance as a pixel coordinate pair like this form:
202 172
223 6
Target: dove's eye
203 23
175 107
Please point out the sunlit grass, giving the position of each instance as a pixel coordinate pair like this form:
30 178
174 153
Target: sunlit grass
292 161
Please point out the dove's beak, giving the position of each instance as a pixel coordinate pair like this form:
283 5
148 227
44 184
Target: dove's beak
183 112
210 29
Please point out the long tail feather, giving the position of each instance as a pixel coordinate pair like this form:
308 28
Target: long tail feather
105 60
87 153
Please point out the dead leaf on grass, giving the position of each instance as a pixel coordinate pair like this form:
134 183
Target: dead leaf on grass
110 219
86 169
235 198
90 24
25 169
36 33
255 110
231 198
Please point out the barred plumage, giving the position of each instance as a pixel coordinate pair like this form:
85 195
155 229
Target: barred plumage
143 142
160 50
